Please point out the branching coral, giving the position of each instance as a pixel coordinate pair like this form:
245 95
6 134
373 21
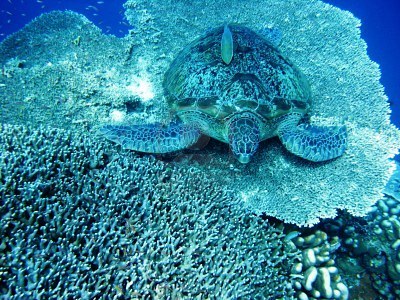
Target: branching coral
79 220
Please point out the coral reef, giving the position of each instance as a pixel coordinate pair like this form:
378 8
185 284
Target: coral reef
369 258
324 43
374 243
316 276
103 79
78 219
60 70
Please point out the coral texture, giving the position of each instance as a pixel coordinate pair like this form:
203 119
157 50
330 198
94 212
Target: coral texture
49 78
371 246
80 220
316 276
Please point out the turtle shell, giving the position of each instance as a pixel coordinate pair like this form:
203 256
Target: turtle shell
258 79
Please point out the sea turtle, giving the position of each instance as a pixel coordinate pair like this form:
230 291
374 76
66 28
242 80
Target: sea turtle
234 85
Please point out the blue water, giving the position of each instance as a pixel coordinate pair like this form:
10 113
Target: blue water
381 29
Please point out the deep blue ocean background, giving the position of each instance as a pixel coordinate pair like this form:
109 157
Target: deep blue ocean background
380 28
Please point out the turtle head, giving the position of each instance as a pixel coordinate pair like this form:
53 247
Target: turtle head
244 136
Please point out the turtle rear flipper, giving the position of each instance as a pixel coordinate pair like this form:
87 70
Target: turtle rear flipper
314 143
153 138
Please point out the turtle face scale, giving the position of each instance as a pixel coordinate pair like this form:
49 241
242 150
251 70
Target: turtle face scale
243 136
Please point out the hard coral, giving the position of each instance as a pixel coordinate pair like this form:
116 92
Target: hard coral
80 220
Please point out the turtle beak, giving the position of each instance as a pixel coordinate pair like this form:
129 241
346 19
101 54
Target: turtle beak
244 159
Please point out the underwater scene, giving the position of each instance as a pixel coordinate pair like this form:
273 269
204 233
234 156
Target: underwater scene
210 149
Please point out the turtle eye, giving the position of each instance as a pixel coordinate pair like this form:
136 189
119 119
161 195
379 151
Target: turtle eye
244 137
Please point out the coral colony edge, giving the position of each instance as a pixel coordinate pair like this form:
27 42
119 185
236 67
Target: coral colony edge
290 199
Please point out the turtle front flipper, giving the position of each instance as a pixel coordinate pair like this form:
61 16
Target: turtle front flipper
315 143
152 138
